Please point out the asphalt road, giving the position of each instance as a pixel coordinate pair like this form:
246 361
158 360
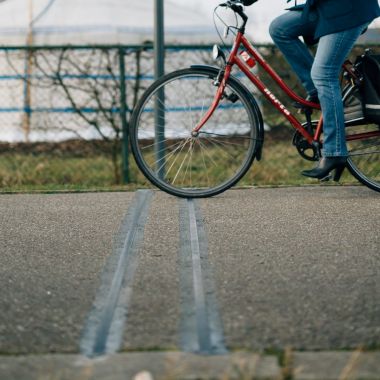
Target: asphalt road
53 248
297 267
253 269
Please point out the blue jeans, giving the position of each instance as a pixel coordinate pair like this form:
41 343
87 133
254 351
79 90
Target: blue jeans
319 74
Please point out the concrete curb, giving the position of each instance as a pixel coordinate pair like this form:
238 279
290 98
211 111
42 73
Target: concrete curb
327 365
335 365
156 365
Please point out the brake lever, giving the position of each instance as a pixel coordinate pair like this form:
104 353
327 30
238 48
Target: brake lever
237 8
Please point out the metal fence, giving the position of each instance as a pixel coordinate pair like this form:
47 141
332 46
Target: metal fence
64 92
60 93
85 92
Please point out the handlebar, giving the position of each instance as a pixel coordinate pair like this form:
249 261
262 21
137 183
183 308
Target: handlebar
238 7
231 3
248 2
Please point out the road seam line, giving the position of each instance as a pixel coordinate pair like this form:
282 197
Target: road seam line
201 327
104 328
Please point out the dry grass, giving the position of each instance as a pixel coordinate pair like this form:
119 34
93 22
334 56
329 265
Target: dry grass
280 165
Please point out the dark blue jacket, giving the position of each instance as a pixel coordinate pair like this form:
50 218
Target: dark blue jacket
338 15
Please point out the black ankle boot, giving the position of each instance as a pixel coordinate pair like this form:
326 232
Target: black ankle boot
325 166
313 98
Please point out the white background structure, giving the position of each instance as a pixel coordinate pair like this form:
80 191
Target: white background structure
82 22
99 22
123 21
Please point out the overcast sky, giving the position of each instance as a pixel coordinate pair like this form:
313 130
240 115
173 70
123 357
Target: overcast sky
200 13
261 13
194 18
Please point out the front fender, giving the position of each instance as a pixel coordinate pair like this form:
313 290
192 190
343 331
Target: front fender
206 67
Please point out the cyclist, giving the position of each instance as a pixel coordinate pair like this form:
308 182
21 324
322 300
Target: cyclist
336 24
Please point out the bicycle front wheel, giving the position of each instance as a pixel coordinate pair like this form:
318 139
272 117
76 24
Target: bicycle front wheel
195 165
363 142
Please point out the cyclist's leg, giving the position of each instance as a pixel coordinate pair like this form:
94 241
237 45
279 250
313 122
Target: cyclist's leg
285 31
332 51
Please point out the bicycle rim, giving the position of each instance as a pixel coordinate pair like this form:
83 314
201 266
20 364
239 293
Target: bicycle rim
175 160
364 152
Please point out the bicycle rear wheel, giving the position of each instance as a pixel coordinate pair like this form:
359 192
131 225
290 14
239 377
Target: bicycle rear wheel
180 162
363 142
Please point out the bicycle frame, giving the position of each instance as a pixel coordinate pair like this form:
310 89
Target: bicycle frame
234 59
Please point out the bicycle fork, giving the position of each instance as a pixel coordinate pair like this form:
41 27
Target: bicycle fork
221 82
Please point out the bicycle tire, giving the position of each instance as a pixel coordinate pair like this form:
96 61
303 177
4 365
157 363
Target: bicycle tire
364 154
195 166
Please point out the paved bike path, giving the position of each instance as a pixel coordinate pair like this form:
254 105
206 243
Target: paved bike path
277 267
53 248
304 262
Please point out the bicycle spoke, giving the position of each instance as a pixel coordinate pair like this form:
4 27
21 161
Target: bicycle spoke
220 148
224 144
170 155
207 153
219 143
204 163
176 158
191 121
179 169
229 136
187 169
364 154
367 146
160 101
227 143
151 145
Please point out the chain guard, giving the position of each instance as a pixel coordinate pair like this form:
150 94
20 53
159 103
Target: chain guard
307 151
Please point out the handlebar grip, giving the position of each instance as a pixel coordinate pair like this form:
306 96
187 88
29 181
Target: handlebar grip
232 3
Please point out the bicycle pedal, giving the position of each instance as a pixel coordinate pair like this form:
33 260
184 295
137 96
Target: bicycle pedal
304 110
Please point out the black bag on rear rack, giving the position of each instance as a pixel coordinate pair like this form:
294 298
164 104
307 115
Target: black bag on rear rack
370 67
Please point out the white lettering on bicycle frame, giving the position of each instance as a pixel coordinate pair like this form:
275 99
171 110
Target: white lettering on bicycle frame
275 100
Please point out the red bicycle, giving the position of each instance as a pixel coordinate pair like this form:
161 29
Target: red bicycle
195 132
